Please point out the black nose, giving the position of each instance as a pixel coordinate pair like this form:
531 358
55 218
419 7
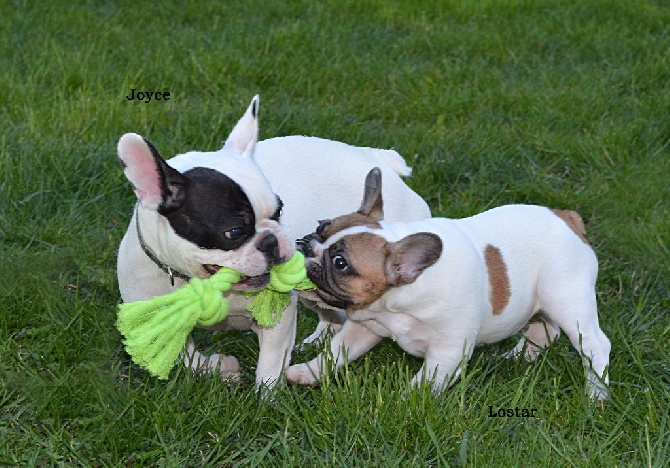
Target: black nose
269 245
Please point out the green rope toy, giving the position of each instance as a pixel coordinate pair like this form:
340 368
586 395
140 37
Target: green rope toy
156 329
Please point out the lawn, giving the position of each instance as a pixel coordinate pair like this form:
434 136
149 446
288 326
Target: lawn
557 102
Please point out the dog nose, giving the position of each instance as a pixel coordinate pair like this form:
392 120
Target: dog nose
269 245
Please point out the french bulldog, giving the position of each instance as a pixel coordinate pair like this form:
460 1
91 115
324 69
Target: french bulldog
439 287
241 207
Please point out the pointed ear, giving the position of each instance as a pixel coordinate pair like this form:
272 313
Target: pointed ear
373 205
157 185
412 254
244 136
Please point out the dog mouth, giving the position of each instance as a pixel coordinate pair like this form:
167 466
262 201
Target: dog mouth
324 291
246 283
331 299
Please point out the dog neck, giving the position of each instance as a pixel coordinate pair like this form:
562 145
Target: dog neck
167 269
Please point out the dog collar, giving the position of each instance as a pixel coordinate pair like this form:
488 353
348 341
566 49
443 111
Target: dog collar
167 269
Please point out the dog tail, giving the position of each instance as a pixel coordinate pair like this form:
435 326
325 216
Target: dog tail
393 159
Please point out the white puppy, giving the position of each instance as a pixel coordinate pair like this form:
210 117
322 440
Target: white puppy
242 207
439 287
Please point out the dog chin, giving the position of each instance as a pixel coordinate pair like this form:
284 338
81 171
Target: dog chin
246 283
330 299
321 294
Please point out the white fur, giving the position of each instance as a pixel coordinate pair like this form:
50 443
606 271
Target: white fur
315 178
321 179
447 310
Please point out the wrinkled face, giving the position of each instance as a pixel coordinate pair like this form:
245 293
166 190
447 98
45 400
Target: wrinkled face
353 264
347 269
201 211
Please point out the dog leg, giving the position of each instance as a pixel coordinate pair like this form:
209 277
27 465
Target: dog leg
321 332
443 366
350 343
226 366
537 335
573 307
594 347
330 322
274 347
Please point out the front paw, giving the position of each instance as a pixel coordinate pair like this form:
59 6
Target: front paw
225 366
301 374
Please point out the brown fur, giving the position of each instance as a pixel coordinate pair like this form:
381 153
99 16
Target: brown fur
366 253
497 271
574 222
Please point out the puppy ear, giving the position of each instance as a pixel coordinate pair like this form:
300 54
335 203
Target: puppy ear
157 185
244 136
412 254
373 205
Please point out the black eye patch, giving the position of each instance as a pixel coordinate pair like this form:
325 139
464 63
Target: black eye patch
215 214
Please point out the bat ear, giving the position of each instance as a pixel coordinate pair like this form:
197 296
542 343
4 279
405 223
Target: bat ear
372 204
244 136
157 185
409 256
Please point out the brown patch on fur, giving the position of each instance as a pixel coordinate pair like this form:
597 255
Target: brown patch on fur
366 254
498 279
345 222
574 222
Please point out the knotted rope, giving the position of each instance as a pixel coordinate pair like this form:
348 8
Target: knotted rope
155 330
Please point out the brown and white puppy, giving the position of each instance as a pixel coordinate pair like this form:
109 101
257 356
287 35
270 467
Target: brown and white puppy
439 287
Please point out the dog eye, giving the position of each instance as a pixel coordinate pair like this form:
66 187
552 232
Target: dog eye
339 263
234 234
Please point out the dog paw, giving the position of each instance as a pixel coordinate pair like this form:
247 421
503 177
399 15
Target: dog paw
227 366
599 395
524 348
318 337
300 374
598 391
314 338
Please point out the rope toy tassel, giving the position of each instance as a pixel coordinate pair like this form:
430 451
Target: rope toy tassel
155 330
268 304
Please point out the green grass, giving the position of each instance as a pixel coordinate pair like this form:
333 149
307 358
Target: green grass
555 102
